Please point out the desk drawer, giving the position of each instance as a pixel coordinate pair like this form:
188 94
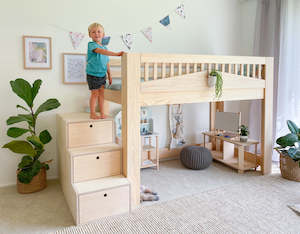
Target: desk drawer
94 166
90 133
104 203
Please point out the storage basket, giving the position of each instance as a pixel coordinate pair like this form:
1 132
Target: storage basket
289 168
38 182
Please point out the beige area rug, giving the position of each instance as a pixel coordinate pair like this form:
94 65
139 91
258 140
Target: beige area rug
256 206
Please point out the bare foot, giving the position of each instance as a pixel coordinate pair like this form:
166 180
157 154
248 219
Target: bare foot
94 116
103 116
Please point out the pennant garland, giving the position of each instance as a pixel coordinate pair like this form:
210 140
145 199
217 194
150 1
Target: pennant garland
127 39
147 33
105 40
165 21
180 11
76 38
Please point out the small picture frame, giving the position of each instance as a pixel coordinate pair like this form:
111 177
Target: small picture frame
37 52
74 66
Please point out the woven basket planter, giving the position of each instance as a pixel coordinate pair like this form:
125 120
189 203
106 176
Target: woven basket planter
289 168
38 183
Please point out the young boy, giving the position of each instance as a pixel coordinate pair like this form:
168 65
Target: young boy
97 67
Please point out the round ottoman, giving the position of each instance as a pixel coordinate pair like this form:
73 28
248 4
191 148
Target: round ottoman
195 157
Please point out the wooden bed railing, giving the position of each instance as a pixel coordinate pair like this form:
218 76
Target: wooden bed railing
155 67
165 66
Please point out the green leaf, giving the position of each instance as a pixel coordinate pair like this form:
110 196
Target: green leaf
35 141
36 167
16 132
25 176
45 137
46 166
293 127
15 119
35 88
20 147
25 162
287 140
23 89
22 107
48 105
28 118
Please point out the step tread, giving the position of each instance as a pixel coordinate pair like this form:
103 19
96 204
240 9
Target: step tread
100 184
81 117
94 149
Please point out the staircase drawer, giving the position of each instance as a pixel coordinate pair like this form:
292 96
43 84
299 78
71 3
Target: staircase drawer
94 166
90 133
103 203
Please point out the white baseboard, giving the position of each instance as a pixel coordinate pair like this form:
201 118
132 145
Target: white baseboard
11 184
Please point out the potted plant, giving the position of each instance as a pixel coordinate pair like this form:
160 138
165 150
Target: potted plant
244 132
31 173
215 79
290 153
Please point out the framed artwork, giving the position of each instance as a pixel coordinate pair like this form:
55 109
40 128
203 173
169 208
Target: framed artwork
74 68
37 52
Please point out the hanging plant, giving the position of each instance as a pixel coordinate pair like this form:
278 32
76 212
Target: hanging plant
218 83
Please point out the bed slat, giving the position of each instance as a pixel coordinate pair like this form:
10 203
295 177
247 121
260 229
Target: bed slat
146 76
155 71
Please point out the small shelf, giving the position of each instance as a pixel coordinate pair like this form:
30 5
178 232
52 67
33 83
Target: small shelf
148 148
232 162
150 152
232 152
148 163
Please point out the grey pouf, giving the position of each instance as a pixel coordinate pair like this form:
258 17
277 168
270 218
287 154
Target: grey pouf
195 157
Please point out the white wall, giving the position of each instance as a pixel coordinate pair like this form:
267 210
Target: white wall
211 27
248 10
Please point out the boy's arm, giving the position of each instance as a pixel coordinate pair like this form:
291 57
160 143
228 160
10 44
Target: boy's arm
107 52
108 74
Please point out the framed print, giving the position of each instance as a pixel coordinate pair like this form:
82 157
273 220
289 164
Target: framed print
37 52
74 68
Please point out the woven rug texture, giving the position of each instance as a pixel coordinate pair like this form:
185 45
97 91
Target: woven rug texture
258 206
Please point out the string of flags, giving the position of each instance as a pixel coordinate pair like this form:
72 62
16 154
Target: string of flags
128 38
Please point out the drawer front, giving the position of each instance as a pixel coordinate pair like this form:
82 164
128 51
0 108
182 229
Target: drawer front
104 203
90 133
94 166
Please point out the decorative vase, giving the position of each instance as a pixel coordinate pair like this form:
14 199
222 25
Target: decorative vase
38 183
289 168
243 138
211 81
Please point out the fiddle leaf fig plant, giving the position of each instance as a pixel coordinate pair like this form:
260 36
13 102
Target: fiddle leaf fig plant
33 147
289 145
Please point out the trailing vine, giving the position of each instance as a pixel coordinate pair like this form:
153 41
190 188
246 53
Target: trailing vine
219 83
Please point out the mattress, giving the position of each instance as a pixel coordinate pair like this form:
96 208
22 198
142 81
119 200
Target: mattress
116 84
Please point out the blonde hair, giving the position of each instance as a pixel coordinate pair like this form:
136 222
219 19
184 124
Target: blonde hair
95 25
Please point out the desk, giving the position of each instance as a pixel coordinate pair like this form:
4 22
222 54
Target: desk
227 155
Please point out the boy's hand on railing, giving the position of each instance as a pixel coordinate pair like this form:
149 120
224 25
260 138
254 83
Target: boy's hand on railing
120 53
109 79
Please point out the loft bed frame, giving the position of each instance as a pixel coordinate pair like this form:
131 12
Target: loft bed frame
179 78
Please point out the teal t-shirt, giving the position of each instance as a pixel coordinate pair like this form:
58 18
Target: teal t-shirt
96 63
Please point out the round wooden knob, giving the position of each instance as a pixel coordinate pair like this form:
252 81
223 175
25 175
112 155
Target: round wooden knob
97 157
105 195
91 125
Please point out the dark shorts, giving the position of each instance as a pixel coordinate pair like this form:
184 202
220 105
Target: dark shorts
95 82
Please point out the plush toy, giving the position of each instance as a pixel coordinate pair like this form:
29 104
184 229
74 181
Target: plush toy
147 194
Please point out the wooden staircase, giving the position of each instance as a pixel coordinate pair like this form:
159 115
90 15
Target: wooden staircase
91 167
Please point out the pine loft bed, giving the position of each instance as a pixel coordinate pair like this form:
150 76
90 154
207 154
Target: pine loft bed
159 79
